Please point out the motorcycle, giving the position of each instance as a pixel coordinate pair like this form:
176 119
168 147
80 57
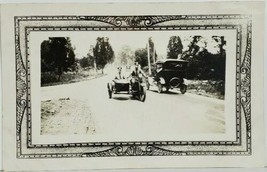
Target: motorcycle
134 86
138 88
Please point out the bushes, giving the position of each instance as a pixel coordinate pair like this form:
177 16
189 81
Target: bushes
50 78
207 87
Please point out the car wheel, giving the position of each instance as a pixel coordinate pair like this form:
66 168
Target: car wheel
160 87
183 88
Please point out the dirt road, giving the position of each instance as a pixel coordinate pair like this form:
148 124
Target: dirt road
165 113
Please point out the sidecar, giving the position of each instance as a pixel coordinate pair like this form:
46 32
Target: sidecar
118 85
133 87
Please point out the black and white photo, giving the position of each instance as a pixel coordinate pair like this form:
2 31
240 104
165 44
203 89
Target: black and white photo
141 85
86 80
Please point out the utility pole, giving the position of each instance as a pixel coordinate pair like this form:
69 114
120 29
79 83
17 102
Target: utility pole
95 64
148 58
154 53
92 53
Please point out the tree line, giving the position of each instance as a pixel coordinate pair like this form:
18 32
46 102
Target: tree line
57 55
202 64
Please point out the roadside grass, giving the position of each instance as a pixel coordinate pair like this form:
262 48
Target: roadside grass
207 88
50 78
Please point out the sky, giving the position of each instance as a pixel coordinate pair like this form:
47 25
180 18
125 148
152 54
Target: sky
82 40
117 40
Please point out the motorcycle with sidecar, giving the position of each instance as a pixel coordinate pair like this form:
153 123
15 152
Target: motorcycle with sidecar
133 85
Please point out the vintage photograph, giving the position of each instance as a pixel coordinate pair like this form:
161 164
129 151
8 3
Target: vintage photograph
151 85
168 82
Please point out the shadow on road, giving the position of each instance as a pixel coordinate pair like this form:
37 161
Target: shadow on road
121 98
165 92
124 98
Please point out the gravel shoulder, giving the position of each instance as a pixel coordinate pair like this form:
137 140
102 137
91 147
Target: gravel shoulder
57 114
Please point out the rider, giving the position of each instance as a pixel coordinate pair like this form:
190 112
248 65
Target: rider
119 76
136 73
137 70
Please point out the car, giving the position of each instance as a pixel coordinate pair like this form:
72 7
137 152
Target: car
169 74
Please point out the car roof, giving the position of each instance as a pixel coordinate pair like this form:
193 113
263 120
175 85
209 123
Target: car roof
170 60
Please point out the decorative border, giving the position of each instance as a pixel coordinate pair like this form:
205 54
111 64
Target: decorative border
133 23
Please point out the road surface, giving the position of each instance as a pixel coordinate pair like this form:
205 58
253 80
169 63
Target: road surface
162 114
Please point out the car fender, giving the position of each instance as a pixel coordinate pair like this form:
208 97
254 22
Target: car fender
186 82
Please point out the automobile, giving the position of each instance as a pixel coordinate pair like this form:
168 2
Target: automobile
134 86
169 74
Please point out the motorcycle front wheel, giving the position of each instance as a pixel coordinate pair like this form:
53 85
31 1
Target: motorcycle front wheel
142 95
109 90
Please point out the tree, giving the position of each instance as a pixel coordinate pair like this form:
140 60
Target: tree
125 56
47 62
57 55
88 60
152 50
70 58
204 63
103 52
141 56
219 57
174 48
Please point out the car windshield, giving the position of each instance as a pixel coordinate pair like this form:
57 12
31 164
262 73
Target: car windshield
173 65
